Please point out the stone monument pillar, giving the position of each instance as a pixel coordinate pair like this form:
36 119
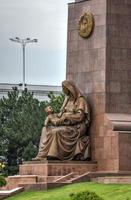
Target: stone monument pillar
100 66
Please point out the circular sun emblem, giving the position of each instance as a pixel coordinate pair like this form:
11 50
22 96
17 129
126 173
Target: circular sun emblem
86 24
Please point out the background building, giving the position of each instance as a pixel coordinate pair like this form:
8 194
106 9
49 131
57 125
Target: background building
40 91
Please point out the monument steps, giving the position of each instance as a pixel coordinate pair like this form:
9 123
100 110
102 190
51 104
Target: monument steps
81 178
42 175
65 178
74 177
34 186
47 178
42 185
7 193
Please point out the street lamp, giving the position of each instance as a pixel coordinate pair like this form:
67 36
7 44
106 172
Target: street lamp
23 42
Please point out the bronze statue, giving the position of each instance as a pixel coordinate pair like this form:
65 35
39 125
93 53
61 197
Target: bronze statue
64 136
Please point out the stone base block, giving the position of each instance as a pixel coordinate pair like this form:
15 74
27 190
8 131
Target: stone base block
15 181
56 168
113 180
111 145
111 177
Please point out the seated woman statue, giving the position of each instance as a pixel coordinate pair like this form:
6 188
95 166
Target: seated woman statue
64 136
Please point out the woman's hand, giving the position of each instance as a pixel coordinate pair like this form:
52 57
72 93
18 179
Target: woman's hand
64 120
61 121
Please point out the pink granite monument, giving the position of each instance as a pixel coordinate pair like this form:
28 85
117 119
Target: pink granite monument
100 65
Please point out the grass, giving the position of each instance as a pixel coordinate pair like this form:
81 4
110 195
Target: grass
108 192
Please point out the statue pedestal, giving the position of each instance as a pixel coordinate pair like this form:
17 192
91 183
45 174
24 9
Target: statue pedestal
56 168
41 175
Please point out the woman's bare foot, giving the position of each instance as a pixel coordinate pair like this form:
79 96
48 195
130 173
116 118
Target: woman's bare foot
36 158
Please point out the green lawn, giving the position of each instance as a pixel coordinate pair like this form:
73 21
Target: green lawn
108 192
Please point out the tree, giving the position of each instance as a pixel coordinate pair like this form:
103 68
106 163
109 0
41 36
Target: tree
21 120
55 101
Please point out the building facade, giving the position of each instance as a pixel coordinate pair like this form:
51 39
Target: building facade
40 91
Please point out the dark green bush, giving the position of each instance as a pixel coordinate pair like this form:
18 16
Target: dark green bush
85 195
2 181
12 170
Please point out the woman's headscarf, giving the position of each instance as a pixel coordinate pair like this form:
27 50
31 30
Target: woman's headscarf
69 85
72 89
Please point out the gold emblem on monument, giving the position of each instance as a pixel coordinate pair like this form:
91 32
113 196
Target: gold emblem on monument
86 24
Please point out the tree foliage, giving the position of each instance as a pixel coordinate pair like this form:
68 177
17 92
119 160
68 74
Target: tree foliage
2 181
21 120
55 101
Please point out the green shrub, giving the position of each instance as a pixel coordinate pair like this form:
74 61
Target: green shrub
86 195
2 181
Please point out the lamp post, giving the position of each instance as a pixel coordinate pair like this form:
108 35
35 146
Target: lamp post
23 42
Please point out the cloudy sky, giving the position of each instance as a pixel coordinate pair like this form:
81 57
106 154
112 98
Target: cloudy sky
45 20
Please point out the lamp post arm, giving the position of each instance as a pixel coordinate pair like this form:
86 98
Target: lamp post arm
15 40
